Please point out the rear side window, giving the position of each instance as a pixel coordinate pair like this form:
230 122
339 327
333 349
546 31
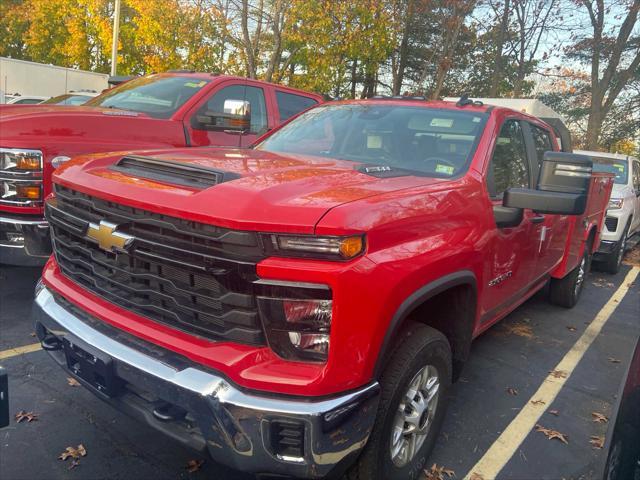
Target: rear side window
636 176
290 104
542 142
509 165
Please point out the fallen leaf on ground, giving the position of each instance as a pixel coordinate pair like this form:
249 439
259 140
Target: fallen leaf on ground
558 373
32 334
538 402
554 412
518 329
597 442
438 473
74 453
599 417
476 476
614 360
72 382
551 434
28 416
571 328
512 391
194 465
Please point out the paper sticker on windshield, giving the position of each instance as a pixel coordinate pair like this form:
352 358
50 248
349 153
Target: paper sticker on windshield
195 85
619 167
374 141
446 169
442 122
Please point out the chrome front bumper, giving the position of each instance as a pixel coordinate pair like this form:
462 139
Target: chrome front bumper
24 240
238 429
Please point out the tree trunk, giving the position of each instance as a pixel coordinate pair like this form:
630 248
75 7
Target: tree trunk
248 45
354 77
398 74
497 71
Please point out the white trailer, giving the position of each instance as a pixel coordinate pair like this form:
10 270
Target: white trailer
537 109
37 79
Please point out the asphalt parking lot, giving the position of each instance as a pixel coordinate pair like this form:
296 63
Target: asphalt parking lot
508 365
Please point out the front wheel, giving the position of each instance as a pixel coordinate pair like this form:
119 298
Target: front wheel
566 291
413 401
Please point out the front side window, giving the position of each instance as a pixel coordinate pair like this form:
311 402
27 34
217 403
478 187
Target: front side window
253 95
541 141
290 104
509 166
158 96
620 168
421 140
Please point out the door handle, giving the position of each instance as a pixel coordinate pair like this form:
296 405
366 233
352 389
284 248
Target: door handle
538 219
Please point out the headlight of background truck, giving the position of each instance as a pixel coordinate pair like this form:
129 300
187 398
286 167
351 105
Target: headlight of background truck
615 203
20 176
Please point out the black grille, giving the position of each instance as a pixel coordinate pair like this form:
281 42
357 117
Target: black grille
611 223
191 276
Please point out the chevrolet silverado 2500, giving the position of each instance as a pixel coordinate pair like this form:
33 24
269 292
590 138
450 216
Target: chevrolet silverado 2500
175 109
302 307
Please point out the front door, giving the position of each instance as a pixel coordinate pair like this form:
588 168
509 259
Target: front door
234 90
512 249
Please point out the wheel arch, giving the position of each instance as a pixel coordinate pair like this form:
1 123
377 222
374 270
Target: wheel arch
436 294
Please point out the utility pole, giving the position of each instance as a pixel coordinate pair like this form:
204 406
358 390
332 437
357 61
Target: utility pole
114 44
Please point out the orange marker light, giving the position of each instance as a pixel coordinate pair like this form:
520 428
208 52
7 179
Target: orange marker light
31 192
351 246
27 163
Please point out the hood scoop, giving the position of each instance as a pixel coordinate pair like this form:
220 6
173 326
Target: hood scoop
173 173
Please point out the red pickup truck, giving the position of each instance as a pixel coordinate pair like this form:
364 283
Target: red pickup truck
302 307
174 109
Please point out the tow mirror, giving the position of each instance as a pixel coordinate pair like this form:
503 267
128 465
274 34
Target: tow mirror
235 117
563 187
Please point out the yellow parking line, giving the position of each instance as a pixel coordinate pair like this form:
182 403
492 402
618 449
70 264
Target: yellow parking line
494 459
12 352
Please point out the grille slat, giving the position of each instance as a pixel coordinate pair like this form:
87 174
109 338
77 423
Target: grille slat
198 279
611 223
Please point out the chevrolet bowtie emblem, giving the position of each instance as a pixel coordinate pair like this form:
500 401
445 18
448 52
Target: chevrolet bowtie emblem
106 236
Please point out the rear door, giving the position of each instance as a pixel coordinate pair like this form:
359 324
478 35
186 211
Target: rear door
549 231
290 104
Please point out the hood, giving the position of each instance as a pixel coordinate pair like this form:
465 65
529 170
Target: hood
263 191
34 126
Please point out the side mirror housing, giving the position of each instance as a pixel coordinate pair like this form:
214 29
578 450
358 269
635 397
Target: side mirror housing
235 117
545 202
565 172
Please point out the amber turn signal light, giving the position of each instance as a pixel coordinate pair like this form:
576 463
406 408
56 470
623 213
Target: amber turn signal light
24 162
28 191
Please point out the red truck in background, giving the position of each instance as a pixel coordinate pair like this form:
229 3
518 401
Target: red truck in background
174 109
301 308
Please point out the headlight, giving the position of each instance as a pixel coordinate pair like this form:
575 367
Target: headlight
19 159
297 329
330 248
615 203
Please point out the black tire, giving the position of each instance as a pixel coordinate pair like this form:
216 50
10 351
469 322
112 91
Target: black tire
566 291
612 261
417 346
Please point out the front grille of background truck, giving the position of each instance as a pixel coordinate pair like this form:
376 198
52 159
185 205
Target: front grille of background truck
190 276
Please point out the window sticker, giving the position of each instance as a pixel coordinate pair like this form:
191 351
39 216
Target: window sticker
619 167
446 169
442 122
195 85
374 141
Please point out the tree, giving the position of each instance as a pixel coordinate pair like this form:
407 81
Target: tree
614 56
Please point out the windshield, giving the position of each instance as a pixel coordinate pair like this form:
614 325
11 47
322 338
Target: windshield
156 95
68 99
612 165
428 141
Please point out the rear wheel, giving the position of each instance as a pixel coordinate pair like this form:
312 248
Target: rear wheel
566 291
612 261
413 400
